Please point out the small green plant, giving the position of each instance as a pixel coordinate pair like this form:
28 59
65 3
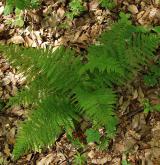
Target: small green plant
79 159
92 135
17 6
153 77
18 21
75 140
148 107
125 162
75 8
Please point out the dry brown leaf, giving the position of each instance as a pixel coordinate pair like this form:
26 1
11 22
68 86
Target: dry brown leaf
7 150
93 5
28 41
135 94
125 105
83 38
91 154
60 12
17 39
116 161
1 10
119 147
46 160
101 160
140 94
11 136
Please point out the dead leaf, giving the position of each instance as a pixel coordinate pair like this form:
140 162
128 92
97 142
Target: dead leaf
46 160
1 10
83 38
101 160
7 150
1 28
91 154
11 136
120 147
16 40
28 41
60 12
93 5
140 94
135 94
116 161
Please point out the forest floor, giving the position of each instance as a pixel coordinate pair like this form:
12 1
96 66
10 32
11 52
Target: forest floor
138 134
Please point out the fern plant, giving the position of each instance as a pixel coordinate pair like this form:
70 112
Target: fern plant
60 89
121 52
54 91
75 8
79 159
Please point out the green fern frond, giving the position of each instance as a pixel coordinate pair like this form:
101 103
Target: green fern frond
97 104
44 72
44 125
49 73
31 94
121 51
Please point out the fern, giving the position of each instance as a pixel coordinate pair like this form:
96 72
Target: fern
39 68
75 8
97 104
60 88
44 125
47 79
121 52
79 159
47 90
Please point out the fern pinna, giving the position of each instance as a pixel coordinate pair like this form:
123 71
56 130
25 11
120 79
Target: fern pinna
60 88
